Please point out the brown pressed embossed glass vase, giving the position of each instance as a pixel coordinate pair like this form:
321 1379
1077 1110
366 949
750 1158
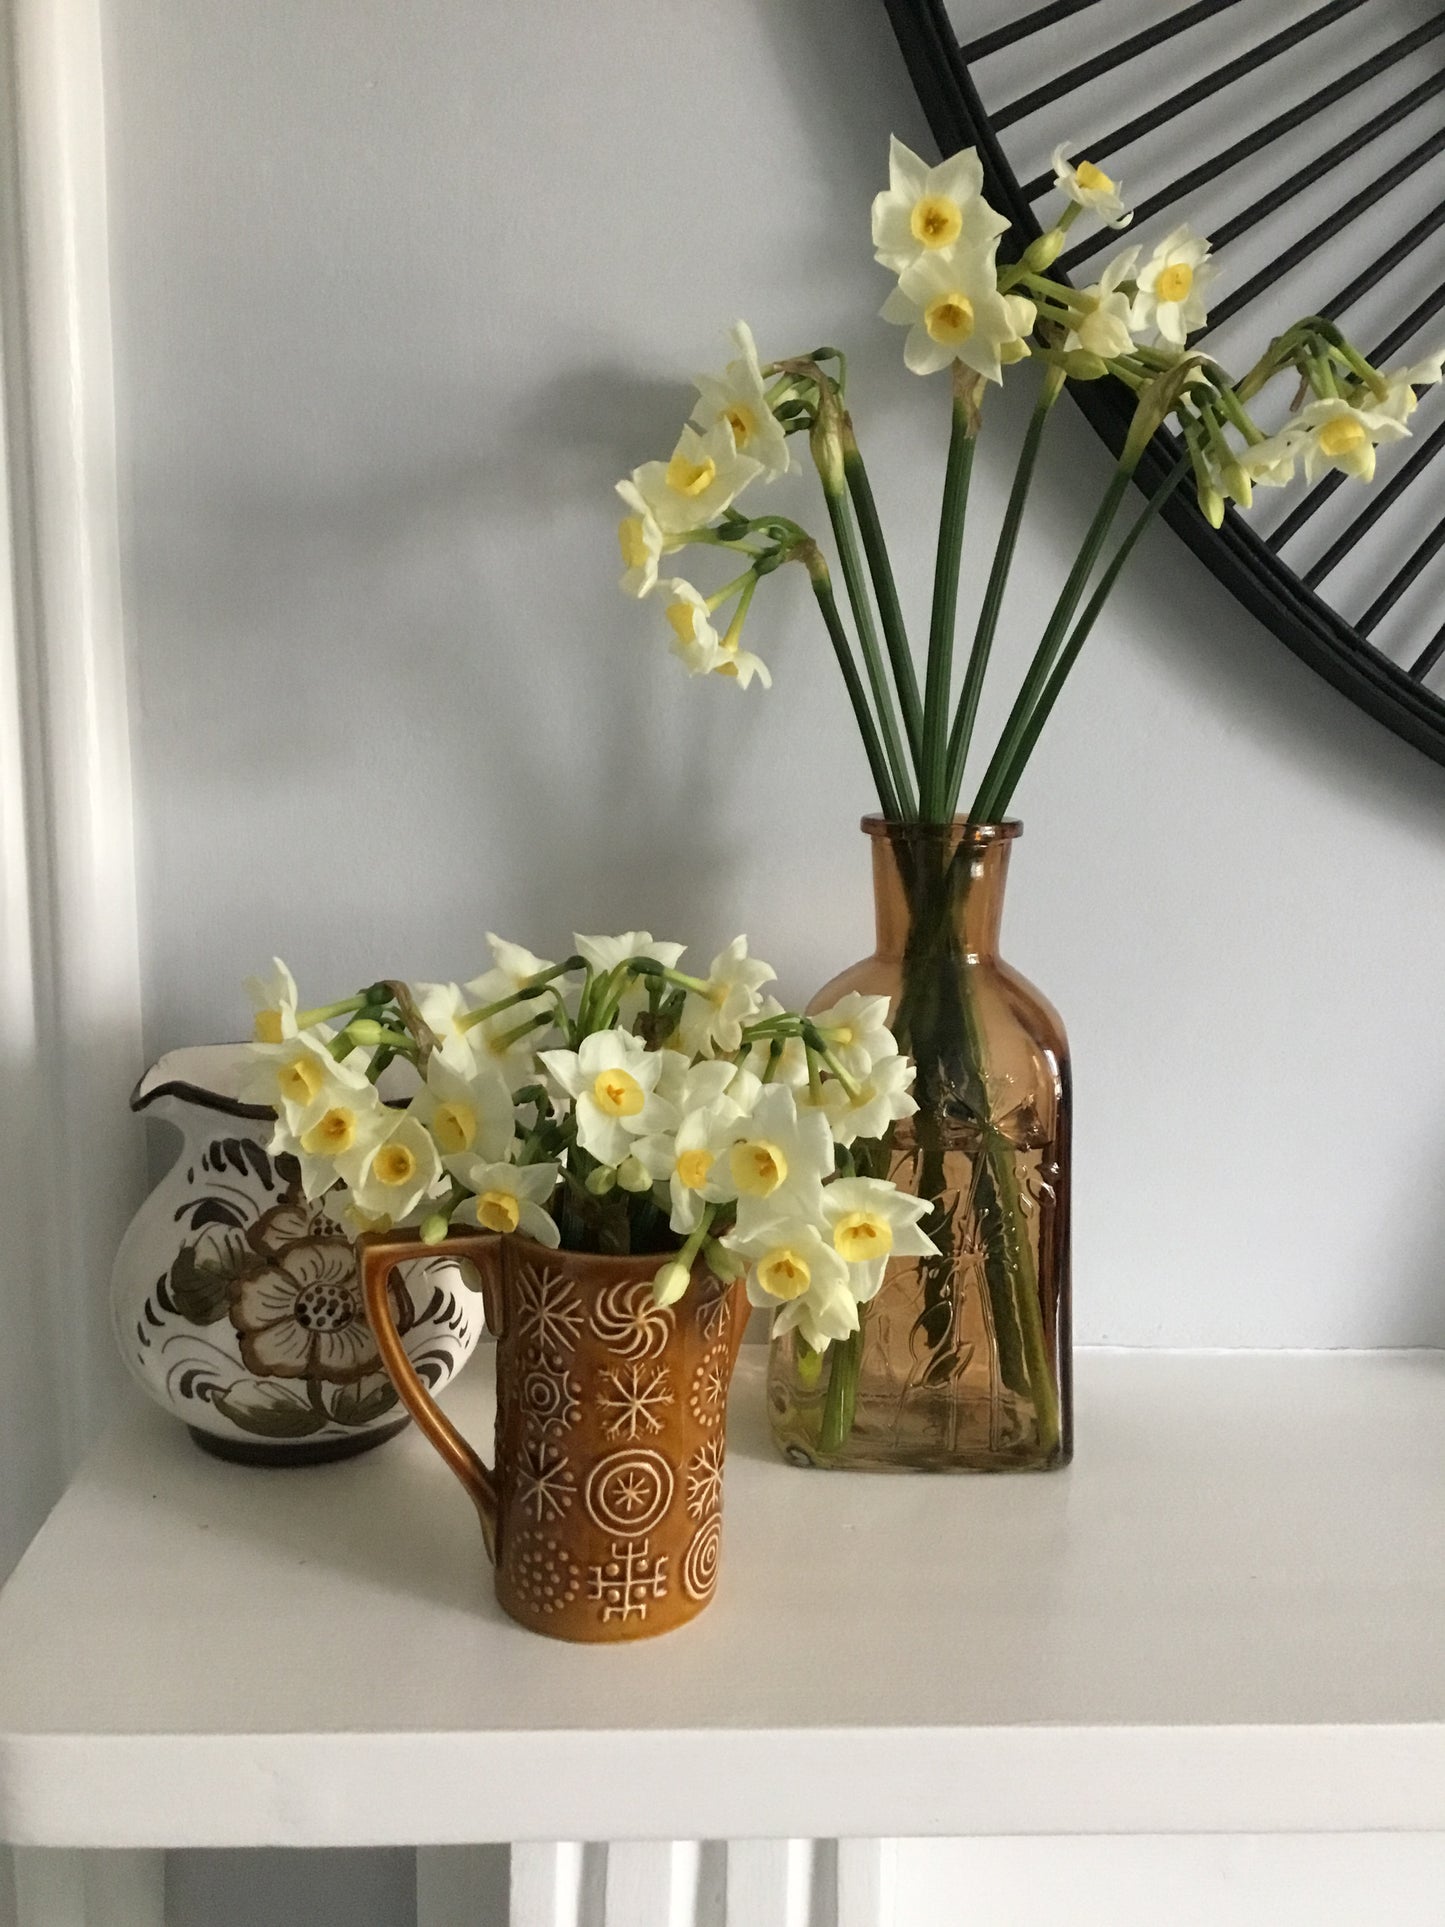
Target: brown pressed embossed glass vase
961 1362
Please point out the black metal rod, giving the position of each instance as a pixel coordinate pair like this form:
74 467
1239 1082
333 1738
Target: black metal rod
1410 326
1379 502
1272 130
1104 63
1332 158
1326 230
1198 90
1302 511
1023 29
1385 601
1429 655
1389 260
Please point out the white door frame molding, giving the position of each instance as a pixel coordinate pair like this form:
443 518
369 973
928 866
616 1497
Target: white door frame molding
69 945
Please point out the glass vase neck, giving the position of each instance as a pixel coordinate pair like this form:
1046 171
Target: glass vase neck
958 869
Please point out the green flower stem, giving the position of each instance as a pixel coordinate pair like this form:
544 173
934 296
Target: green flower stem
961 736
890 610
838 514
323 1013
1080 634
939 680
532 988
842 1395
877 762
1240 416
985 807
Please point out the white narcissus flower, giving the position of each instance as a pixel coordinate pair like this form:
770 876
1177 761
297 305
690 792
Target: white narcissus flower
606 953
740 398
1272 462
856 1031
344 1120
469 1115
641 541
512 1197
870 1221
882 1099
741 666
712 1020
778 1158
953 311
273 998
930 210
695 642
291 1075
692 1161
468 1047
1090 187
388 1177
1335 434
791 1064
1105 330
794 1270
612 1080
1172 285
700 479
1400 400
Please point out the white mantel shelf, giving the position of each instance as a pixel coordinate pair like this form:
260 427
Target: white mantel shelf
1228 1615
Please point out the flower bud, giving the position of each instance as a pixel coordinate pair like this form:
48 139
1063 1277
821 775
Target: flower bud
433 1229
1080 365
1237 484
1040 255
1212 503
632 1176
601 1181
670 1283
364 1031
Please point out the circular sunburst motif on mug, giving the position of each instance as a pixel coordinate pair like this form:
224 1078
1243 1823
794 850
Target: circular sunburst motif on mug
629 1492
700 1561
543 1571
709 1395
629 1323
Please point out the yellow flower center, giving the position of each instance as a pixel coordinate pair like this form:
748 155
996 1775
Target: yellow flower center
783 1274
618 1093
268 1027
300 1080
740 419
1093 179
690 478
632 540
1175 281
683 617
692 1169
725 669
842 1034
936 222
1339 436
454 1126
758 1168
329 1136
949 319
862 1235
395 1165
498 1211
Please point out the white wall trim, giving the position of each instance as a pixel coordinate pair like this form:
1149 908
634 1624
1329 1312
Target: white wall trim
66 818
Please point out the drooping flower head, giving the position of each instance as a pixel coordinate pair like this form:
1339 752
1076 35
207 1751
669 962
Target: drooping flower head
1090 187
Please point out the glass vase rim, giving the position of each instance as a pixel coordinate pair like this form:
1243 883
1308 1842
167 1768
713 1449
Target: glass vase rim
983 835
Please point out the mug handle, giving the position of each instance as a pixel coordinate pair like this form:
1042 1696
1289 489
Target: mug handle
380 1254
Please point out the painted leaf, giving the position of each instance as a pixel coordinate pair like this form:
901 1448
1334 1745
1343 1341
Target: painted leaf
271 1411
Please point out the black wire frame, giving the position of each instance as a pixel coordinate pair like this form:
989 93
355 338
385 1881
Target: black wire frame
1241 560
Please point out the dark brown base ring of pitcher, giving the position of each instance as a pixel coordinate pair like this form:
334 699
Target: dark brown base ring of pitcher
295 1451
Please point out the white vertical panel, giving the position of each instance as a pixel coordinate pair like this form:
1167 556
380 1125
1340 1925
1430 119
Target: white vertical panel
770 1883
651 1883
546 1885
89 1889
867 1878
462 1887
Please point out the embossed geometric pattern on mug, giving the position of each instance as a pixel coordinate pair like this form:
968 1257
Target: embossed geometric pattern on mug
708 1396
702 1482
628 1493
628 1581
549 1314
633 1400
544 1572
546 1485
700 1562
552 1400
629 1323
713 1312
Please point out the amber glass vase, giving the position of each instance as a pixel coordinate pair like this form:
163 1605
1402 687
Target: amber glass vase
961 1362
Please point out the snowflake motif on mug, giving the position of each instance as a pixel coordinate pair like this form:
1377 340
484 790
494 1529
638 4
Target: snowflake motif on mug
628 1580
703 1478
633 1400
629 1323
545 1483
709 1395
550 1315
714 1312
551 1401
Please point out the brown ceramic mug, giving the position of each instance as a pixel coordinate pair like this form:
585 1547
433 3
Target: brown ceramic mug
602 1514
